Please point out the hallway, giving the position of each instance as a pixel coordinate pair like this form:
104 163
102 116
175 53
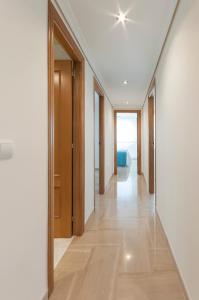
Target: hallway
123 254
69 70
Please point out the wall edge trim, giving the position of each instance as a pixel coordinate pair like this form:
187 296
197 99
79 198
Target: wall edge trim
162 49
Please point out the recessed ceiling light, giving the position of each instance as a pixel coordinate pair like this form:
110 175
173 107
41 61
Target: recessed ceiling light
121 17
125 82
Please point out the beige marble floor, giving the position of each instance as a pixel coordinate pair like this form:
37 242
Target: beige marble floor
60 247
123 254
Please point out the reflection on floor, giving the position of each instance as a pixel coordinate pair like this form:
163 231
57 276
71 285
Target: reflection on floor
123 254
60 247
126 173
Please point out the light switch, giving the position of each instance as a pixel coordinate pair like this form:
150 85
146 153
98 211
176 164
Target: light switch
6 149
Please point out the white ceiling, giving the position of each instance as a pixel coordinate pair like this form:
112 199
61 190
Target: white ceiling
120 53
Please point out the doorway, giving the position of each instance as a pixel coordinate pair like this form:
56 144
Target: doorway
99 129
66 140
63 157
127 139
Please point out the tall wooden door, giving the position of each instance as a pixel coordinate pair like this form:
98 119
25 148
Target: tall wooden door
63 149
151 145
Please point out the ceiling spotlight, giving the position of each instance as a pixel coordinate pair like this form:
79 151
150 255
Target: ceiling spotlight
121 17
125 82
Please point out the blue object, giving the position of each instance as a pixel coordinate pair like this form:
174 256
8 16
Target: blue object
122 158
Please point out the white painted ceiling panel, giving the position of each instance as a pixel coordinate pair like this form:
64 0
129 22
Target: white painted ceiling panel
129 53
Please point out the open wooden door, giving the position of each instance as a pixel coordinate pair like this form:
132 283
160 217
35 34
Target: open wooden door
151 144
99 91
63 134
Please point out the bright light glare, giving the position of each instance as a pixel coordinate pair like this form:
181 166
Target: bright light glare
128 256
127 129
121 17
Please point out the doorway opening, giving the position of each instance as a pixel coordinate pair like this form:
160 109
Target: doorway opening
63 162
127 141
99 139
66 141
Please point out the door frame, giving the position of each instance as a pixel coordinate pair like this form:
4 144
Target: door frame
98 89
139 139
56 27
151 137
151 144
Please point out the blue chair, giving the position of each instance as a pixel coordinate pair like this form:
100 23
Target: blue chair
122 158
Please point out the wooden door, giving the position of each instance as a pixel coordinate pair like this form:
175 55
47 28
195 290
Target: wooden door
63 149
151 145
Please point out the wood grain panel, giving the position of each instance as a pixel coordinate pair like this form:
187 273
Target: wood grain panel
78 149
63 128
139 143
115 142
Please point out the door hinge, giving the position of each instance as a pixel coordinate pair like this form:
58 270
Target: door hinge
73 146
73 219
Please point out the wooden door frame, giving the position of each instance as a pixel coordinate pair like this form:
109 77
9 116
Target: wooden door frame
56 27
151 144
151 98
139 139
98 89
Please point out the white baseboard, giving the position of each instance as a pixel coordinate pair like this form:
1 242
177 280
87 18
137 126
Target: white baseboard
186 293
45 297
109 183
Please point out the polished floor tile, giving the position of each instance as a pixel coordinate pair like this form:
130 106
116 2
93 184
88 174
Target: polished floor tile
150 286
123 254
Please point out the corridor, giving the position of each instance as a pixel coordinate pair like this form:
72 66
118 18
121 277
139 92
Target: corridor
123 254
89 88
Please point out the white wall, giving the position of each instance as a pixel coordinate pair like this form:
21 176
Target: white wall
96 131
109 142
23 179
177 107
24 119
